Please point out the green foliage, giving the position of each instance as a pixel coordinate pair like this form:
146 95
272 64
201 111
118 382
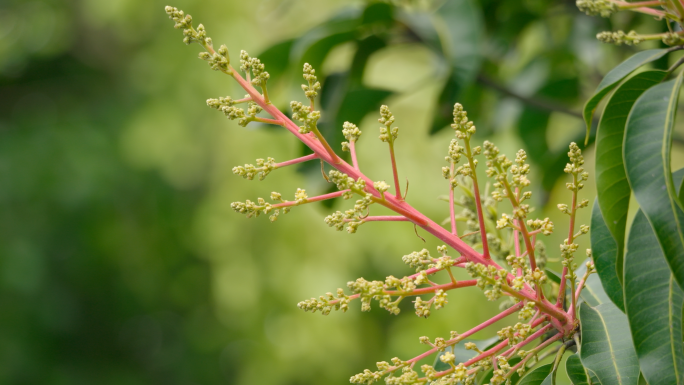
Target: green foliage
614 77
538 376
648 138
607 348
605 257
653 303
576 371
641 336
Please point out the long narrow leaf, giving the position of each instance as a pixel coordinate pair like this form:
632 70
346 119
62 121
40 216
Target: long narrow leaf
654 307
575 370
537 376
647 162
607 347
611 181
605 251
615 76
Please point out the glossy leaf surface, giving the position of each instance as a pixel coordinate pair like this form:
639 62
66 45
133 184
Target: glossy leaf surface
654 307
605 252
537 376
575 370
615 76
611 181
647 162
607 347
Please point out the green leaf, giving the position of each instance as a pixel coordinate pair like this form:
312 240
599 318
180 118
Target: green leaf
607 347
461 353
605 252
537 376
551 378
575 370
593 292
553 276
461 42
654 305
611 181
680 189
615 76
648 139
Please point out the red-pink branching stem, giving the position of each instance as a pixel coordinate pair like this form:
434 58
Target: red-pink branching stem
452 209
394 203
646 10
472 331
478 202
385 218
268 121
395 173
312 199
532 353
433 270
297 160
422 290
571 233
352 151
479 357
243 100
527 340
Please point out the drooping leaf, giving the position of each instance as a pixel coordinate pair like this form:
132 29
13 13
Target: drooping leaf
607 347
537 376
611 181
647 161
605 252
593 292
615 76
654 303
461 43
575 370
461 353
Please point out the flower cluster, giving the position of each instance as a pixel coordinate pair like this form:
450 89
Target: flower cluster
603 8
509 237
311 89
351 133
262 168
387 133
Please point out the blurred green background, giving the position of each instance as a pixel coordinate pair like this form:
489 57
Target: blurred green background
121 261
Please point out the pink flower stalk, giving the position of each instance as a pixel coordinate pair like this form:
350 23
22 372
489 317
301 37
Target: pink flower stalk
525 283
